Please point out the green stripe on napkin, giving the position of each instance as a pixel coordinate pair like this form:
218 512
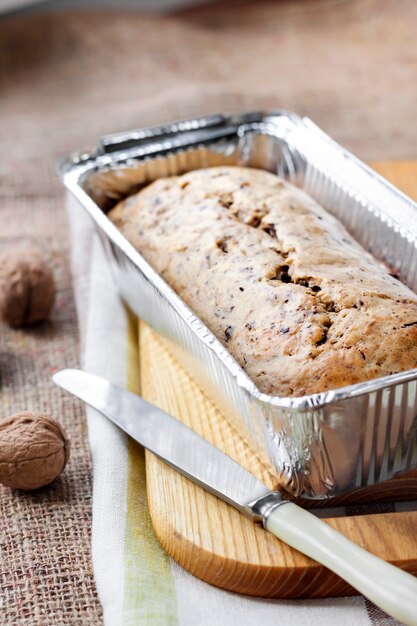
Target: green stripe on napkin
149 589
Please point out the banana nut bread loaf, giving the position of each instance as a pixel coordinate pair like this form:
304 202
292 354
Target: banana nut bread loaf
295 299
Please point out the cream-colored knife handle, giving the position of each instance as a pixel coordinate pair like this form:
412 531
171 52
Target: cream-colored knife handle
390 588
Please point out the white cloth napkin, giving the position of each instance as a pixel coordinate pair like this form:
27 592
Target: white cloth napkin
138 584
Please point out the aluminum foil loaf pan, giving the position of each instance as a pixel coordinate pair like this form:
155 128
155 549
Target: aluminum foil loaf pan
321 445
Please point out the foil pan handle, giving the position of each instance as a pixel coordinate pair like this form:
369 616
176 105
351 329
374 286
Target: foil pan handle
140 136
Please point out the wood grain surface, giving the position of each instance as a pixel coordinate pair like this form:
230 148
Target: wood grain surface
215 542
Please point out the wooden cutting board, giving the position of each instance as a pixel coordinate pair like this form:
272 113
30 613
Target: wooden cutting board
215 542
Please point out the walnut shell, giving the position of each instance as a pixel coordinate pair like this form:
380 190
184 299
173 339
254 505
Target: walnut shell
27 288
34 450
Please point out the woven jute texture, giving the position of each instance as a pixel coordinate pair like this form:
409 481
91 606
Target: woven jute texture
67 79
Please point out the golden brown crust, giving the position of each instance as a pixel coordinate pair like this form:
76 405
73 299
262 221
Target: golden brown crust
299 304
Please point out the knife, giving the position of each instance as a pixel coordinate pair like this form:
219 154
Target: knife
389 587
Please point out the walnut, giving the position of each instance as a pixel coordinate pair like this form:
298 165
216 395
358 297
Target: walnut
27 289
34 450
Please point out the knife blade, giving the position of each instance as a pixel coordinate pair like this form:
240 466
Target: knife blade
168 438
390 588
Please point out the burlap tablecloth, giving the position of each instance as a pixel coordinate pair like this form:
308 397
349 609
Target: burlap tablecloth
67 78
